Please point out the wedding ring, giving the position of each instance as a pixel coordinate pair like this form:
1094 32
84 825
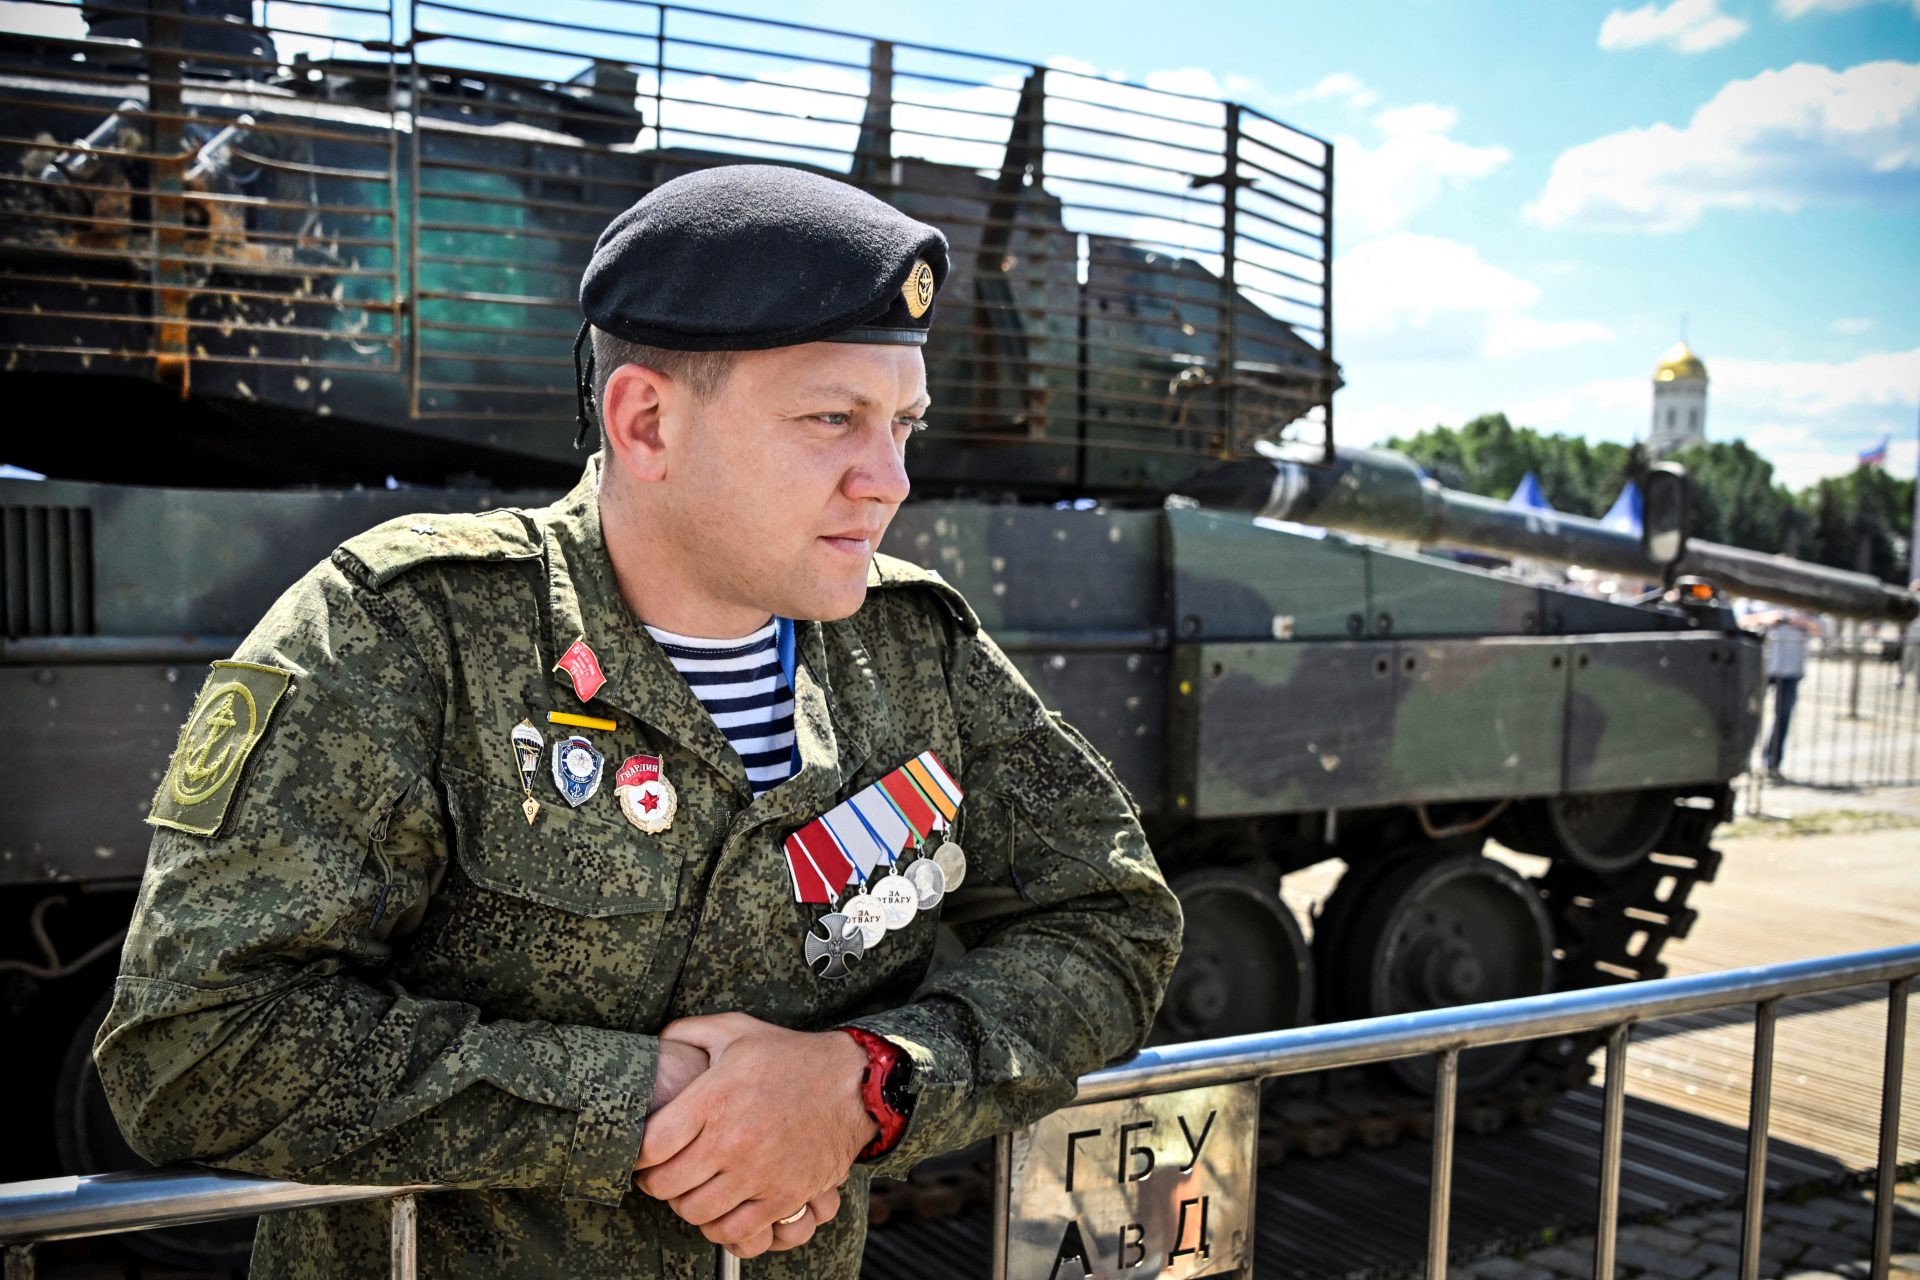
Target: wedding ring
793 1217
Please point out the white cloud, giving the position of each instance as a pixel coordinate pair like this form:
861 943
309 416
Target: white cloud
1685 26
1515 335
1371 424
1777 141
1801 8
1852 325
1815 388
1410 296
1416 161
1341 86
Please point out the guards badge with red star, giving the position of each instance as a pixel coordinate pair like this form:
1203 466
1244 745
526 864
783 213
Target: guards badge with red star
646 797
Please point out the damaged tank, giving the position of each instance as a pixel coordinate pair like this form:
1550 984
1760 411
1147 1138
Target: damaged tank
261 288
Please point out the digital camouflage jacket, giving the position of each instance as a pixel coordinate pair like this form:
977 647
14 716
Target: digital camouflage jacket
353 960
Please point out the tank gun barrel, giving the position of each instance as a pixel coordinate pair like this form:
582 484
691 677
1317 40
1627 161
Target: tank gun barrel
1383 494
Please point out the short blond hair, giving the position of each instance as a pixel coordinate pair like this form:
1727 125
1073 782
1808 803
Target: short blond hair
703 372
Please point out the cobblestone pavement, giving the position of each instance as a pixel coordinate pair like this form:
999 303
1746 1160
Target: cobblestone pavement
1827 1237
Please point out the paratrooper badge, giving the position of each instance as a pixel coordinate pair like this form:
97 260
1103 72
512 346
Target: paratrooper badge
228 720
527 747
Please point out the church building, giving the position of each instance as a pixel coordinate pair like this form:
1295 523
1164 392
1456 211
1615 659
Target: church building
1679 401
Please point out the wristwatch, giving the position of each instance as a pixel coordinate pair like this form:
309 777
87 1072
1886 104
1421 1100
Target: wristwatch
886 1090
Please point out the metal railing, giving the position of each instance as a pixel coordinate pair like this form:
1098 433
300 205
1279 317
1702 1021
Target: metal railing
65 1208
1854 722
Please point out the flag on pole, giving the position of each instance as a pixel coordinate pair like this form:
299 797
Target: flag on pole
1876 456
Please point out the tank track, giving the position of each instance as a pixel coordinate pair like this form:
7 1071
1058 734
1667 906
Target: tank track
1609 929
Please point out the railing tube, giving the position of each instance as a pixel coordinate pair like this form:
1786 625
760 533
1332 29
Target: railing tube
1446 1081
1889 1153
1612 1127
406 1217
1758 1112
1002 1204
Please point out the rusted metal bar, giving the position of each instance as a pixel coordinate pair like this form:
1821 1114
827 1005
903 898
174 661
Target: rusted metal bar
1229 291
170 359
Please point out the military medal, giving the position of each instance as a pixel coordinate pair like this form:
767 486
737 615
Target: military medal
928 881
898 899
645 795
851 840
577 767
833 945
527 746
952 861
869 915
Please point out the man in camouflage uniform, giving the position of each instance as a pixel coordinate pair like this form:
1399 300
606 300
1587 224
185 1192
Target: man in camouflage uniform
357 959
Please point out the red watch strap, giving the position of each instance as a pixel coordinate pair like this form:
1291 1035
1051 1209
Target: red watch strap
881 1059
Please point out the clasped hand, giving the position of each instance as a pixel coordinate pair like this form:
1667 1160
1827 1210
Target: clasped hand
755 1121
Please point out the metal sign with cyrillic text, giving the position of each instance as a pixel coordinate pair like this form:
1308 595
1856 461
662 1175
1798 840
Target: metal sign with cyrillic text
1158 1186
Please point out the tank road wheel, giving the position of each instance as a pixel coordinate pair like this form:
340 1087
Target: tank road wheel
1605 831
89 1141
1244 964
1430 933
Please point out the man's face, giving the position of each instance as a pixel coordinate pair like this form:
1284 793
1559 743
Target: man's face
779 486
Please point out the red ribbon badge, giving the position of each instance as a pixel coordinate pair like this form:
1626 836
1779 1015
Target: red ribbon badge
636 770
580 663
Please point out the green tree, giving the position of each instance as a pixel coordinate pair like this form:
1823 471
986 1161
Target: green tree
1490 456
1735 498
1857 521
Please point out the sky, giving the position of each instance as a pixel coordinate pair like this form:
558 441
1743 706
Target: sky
1532 200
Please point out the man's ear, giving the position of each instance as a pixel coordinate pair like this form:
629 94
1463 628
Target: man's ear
630 409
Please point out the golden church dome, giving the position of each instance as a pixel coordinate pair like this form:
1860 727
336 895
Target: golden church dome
1679 362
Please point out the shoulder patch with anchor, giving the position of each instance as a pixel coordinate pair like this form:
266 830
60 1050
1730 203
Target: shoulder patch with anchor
229 718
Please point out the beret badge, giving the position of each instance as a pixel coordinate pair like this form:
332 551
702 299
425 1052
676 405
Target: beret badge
918 290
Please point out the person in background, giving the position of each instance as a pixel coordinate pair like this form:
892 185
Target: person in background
1909 647
1786 655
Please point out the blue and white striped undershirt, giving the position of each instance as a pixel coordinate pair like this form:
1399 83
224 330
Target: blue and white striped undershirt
740 684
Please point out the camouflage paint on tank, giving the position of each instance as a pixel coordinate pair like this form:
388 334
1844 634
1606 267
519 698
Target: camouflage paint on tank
1278 727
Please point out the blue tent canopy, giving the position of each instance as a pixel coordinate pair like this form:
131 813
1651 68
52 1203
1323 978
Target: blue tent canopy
1624 514
1528 496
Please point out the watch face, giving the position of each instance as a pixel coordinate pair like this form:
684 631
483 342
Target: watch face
897 1089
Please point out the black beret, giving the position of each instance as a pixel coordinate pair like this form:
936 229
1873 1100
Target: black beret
750 256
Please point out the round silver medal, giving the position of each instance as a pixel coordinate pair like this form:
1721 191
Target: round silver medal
929 881
867 914
952 861
898 899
